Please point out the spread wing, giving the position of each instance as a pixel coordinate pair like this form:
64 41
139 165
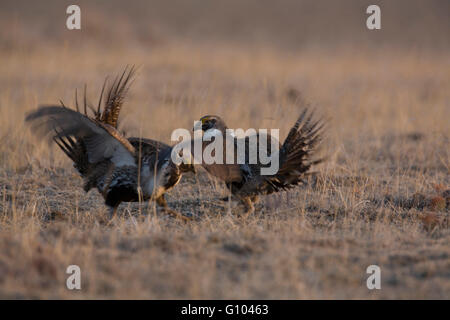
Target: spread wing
102 141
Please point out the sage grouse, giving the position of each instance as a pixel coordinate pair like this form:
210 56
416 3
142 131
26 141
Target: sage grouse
245 181
122 170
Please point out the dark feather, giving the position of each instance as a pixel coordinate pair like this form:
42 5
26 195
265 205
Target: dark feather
116 96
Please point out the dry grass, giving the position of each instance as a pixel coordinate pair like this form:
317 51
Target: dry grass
381 198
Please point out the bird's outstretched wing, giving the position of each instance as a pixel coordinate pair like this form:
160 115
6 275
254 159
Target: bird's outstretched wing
102 141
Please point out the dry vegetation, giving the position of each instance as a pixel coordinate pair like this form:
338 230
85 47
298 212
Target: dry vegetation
383 196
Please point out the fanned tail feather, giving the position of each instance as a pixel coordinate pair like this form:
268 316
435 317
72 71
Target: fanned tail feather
115 97
297 153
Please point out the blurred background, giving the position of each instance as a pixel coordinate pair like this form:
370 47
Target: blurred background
256 63
252 61
286 24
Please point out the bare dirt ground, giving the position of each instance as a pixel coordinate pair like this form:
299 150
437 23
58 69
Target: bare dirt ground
382 197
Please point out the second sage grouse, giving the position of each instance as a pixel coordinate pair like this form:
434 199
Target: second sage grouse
244 179
122 169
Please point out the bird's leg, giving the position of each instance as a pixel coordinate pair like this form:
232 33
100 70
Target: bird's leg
249 207
112 203
112 213
227 198
161 201
230 194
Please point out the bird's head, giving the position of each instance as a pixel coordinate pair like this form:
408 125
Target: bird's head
212 122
